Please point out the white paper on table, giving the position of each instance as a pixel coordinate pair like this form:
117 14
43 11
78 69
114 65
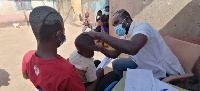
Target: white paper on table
162 85
139 80
104 63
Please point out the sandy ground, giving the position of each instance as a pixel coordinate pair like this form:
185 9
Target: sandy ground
15 43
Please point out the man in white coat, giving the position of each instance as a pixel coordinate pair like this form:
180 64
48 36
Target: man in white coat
143 43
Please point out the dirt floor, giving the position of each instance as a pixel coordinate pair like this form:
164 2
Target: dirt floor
15 43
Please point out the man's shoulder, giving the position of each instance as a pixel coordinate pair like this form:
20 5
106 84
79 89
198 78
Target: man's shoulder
142 27
142 24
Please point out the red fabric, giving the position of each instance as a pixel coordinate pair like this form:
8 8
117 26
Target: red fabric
20 1
51 75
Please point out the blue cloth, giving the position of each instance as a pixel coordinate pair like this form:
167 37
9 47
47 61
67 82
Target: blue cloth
106 29
121 64
109 88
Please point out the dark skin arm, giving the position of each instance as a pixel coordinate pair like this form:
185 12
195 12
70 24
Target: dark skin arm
130 47
109 53
25 75
92 86
102 28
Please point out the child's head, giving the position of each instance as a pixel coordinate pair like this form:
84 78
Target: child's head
99 13
107 9
87 14
85 45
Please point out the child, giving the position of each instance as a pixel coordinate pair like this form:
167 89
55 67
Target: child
82 58
99 14
98 27
86 23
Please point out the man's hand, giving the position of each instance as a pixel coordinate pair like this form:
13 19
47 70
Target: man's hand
92 34
98 47
100 73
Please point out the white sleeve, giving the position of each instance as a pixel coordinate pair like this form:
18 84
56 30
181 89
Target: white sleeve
143 28
91 73
122 37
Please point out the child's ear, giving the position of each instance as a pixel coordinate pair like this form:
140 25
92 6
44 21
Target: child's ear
79 52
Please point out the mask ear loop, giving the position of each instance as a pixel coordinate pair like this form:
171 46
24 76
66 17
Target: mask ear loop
57 35
127 22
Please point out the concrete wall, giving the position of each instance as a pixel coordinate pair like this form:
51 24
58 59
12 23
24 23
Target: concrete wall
169 17
9 7
72 11
10 14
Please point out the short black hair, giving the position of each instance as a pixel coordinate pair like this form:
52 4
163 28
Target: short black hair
106 7
45 21
99 11
123 13
83 41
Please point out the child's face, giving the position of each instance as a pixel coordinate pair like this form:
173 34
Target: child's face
87 15
99 22
99 13
88 52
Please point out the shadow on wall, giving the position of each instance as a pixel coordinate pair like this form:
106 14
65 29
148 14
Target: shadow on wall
143 4
134 7
186 23
4 78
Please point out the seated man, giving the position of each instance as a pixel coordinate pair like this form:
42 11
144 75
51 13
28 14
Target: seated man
46 69
143 43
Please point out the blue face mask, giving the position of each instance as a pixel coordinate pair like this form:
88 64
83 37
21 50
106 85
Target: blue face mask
119 30
106 13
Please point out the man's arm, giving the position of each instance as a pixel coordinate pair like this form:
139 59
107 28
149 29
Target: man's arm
24 68
130 47
109 53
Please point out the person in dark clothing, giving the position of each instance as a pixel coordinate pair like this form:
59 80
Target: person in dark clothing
105 21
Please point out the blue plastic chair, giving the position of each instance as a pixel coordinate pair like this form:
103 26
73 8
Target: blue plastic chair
40 89
109 88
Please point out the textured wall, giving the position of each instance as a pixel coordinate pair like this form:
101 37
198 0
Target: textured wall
169 17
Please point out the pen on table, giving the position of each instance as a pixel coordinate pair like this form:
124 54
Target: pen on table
164 90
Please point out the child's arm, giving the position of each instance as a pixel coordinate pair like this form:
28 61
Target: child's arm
92 86
25 75
82 74
24 68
